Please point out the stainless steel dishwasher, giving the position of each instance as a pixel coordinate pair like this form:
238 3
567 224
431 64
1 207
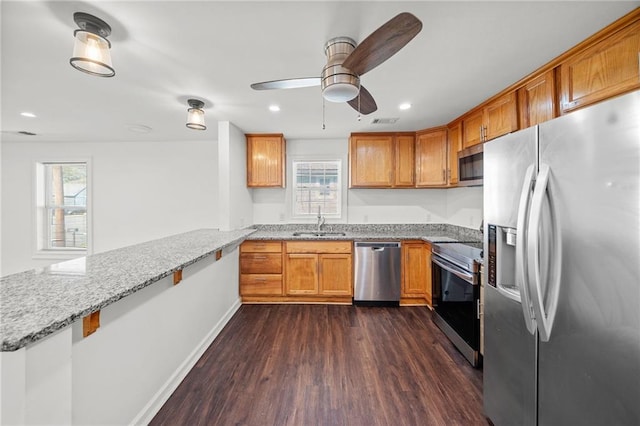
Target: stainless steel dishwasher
377 273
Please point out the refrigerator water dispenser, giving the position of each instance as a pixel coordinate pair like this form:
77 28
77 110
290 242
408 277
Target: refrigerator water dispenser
501 272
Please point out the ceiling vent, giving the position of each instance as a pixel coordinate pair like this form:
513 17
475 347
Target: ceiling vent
384 120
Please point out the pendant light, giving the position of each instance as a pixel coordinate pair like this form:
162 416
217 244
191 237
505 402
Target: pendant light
195 115
91 49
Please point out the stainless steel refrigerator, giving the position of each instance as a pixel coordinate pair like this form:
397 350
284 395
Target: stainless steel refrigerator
562 270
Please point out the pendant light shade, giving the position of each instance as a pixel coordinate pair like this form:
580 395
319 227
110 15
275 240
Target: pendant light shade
195 115
91 49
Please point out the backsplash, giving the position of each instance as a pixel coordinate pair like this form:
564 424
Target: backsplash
460 233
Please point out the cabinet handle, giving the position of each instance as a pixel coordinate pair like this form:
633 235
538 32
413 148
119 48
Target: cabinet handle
444 178
260 258
261 280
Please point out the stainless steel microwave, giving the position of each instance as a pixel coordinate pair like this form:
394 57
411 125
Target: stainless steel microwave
470 166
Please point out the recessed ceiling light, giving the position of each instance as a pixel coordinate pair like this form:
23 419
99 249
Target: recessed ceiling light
405 105
28 114
274 108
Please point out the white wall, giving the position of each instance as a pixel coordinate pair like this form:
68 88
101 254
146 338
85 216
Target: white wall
140 191
458 206
235 199
464 206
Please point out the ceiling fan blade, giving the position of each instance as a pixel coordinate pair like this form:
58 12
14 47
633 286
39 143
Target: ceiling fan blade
290 83
383 43
367 104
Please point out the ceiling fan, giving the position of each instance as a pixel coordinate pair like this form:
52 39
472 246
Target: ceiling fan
347 61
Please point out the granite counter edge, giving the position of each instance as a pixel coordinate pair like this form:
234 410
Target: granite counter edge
15 344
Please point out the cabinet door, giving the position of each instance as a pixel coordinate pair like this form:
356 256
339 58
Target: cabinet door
604 70
537 100
472 129
371 159
414 261
427 284
265 161
404 161
501 116
335 274
301 273
454 144
431 158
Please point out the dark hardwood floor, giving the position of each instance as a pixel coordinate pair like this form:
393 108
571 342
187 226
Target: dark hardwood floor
328 365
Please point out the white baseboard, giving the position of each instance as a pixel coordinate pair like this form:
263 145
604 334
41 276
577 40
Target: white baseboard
145 416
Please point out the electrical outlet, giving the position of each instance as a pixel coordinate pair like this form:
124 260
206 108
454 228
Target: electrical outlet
281 217
365 218
428 217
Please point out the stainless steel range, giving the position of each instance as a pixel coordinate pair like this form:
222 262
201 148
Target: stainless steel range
456 294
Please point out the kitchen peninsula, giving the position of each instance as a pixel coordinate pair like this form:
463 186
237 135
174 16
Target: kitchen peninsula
55 370
148 335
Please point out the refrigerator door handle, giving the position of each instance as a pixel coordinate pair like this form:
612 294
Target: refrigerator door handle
544 315
521 254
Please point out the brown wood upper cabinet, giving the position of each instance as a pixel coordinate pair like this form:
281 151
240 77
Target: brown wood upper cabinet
266 160
381 160
602 70
431 157
495 118
537 100
454 144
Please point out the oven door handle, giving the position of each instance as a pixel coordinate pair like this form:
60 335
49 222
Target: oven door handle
458 272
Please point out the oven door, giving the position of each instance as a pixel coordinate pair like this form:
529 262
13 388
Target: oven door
455 299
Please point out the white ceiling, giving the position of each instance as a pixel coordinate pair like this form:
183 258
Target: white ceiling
166 52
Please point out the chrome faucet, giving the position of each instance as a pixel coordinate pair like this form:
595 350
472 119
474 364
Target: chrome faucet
321 220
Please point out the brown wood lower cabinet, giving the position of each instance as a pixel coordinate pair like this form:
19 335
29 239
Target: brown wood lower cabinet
296 271
261 269
416 273
322 272
322 269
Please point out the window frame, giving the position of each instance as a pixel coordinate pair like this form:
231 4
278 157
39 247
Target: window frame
40 211
339 189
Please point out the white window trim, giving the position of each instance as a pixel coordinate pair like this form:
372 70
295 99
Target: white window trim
37 212
313 216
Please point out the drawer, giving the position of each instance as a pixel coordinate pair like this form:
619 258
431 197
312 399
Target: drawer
318 247
260 285
261 247
260 263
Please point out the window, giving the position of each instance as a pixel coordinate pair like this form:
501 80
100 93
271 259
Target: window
316 184
62 207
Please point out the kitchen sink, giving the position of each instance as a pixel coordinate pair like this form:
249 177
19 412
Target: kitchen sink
318 234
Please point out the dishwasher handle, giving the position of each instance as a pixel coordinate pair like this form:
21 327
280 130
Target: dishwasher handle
376 246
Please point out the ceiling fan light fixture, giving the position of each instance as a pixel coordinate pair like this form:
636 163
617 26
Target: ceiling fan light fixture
91 47
338 83
340 92
195 115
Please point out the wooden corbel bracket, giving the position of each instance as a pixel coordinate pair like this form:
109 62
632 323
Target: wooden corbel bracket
90 323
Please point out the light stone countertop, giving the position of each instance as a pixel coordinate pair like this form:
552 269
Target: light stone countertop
369 232
39 302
